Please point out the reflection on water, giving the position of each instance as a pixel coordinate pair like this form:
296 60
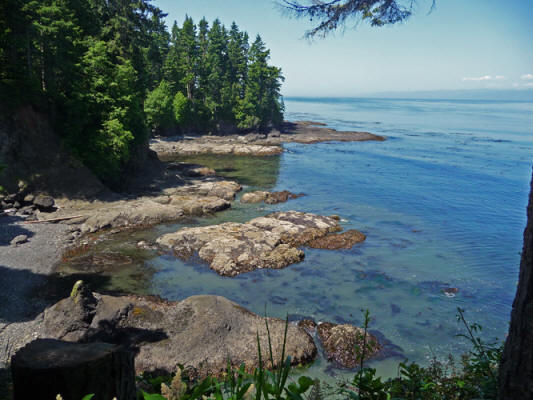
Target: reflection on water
442 203
257 172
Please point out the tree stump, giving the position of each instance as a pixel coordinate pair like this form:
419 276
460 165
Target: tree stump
46 367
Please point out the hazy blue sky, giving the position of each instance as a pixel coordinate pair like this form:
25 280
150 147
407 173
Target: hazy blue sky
462 44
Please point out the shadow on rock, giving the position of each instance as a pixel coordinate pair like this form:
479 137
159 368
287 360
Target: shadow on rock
24 294
9 229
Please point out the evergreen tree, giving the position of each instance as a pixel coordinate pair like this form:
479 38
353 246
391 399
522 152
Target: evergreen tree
157 49
187 50
261 105
171 70
237 66
106 72
217 63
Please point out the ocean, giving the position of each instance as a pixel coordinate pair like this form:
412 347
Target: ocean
442 202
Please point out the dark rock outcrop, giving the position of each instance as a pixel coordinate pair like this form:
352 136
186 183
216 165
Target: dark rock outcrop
44 203
201 331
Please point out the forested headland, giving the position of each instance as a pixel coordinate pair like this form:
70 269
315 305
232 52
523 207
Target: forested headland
108 74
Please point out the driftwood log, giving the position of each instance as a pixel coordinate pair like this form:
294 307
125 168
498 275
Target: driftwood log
46 367
51 220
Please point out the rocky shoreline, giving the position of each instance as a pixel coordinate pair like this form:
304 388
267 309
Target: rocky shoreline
202 333
164 193
256 144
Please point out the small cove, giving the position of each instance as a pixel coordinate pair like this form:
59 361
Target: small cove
442 203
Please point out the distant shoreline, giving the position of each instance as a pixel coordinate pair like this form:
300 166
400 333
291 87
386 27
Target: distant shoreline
517 95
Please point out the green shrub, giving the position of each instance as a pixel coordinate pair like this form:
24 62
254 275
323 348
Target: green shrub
159 107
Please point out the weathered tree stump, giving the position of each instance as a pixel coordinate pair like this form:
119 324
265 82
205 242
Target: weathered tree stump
46 367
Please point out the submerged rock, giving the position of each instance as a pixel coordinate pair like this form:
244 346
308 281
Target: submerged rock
335 241
265 242
343 344
269 197
450 292
281 197
191 170
204 332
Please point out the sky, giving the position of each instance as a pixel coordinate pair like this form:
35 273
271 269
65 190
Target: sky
460 45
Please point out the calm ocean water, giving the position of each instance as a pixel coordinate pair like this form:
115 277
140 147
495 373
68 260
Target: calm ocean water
442 202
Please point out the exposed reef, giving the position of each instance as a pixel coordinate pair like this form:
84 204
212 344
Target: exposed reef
256 144
271 241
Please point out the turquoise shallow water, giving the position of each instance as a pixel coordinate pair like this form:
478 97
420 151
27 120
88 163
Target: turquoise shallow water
442 202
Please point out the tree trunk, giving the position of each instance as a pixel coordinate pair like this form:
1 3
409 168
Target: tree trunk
46 367
516 367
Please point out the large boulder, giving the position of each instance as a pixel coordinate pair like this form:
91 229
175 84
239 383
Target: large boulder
203 332
254 197
266 242
345 344
44 203
269 197
232 248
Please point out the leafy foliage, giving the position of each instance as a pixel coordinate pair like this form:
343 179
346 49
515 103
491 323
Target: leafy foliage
108 72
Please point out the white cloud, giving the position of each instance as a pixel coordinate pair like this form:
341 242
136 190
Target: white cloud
484 78
528 84
527 77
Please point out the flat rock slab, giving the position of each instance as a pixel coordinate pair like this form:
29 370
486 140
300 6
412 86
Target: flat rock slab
193 147
257 144
208 187
266 242
269 197
196 198
204 332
